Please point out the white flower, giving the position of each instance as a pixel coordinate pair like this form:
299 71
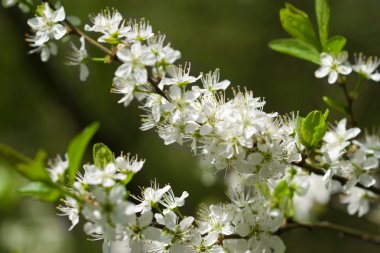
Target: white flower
110 24
179 76
170 221
357 200
367 66
79 57
58 168
217 218
150 197
126 164
139 31
370 144
338 139
333 66
165 54
211 81
70 209
138 225
180 106
361 165
171 202
204 244
135 61
129 87
46 24
45 50
106 177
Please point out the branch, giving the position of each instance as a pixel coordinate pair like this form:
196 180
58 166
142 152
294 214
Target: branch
350 101
309 167
342 230
292 225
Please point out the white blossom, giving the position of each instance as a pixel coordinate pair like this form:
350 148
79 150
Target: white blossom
58 168
78 57
71 210
333 66
110 24
46 24
367 67
135 61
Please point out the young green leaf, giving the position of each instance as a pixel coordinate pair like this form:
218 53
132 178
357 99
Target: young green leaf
102 155
32 169
322 10
77 147
335 44
313 128
336 105
40 190
296 48
283 197
298 25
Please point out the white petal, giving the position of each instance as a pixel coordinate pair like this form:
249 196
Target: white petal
59 15
370 163
59 31
186 223
35 23
322 72
375 77
255 158
326 59
344 70
367 180
352 133
84 72
123 70
333 76
206 129
211 238
124 55
222 85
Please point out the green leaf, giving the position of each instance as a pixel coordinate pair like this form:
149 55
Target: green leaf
296 48
335 44
322 10
40 190
12 156
102 155
77 147
298 25
313 128
34 170
336 105
283 197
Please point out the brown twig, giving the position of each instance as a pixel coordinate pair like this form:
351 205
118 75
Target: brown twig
293 225
342 230
311 168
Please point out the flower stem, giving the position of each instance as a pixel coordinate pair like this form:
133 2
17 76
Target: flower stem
350 99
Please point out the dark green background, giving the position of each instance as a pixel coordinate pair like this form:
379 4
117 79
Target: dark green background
43 105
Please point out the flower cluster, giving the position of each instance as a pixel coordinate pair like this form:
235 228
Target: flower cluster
337 65
155 223
235 134
46 26
266 157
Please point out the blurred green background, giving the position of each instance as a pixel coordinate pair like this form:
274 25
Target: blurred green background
43 105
